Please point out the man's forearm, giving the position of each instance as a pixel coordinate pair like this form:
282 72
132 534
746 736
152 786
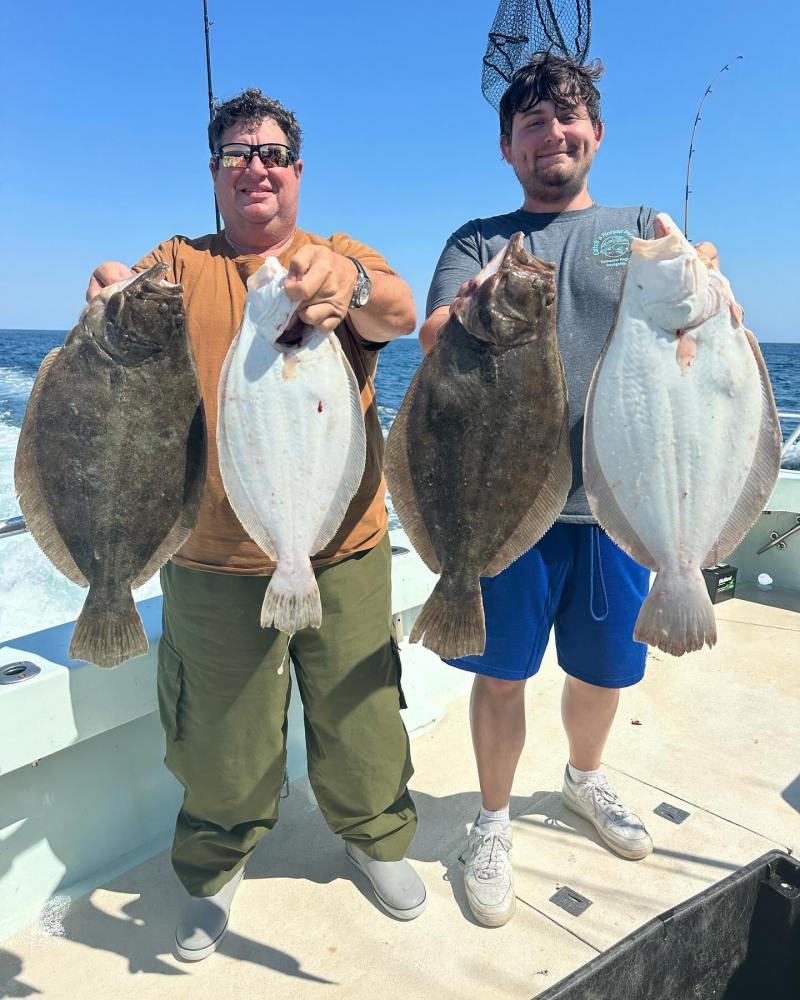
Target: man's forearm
390 311
430 328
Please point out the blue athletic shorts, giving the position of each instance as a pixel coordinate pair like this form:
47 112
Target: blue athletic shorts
577 579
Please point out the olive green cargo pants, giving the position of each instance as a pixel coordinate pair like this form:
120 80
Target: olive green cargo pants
223 699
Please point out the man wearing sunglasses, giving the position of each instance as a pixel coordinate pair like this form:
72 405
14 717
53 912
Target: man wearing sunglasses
223 694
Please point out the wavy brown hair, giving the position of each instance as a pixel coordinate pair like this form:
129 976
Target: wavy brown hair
548 77
250 108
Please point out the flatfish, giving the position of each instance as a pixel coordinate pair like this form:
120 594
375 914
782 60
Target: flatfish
110 465
478 460
291 442
681 440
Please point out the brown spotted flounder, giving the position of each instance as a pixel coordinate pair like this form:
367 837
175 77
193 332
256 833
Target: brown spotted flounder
110 464
478 460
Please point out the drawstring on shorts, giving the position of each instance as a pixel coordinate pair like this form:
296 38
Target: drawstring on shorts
595 544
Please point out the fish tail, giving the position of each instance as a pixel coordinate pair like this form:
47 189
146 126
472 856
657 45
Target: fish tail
292 601
106 635
451 622
678 616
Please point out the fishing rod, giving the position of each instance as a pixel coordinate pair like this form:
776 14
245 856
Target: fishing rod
691 146
207 26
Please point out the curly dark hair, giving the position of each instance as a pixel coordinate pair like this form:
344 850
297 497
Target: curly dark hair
548 77
250 108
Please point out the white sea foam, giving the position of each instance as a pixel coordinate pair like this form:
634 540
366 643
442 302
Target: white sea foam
33 594
15 382
8 446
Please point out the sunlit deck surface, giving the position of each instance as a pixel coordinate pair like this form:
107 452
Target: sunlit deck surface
715 733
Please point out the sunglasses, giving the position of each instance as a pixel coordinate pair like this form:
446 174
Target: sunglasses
238 155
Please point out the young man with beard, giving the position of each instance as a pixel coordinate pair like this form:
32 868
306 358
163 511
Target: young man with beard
575 578
223 692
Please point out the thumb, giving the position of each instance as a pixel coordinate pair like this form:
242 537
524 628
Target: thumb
299 265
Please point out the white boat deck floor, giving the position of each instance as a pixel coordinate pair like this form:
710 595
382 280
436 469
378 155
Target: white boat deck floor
715 734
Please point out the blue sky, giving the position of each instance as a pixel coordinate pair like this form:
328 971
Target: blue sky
109 105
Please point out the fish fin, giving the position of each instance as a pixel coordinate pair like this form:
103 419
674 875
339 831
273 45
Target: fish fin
106 637
401 486
353 470
451 625
677 616
762 476
30 491
601 499
194 482
546 507
290 607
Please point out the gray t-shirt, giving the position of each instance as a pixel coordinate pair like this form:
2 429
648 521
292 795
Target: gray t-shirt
590 248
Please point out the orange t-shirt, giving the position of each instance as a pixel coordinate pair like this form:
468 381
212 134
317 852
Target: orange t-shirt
214 281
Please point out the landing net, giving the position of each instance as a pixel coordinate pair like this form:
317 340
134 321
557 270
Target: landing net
523 27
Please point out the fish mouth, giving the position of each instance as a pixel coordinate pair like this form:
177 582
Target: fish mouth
675 289
513 255
514 281
668 241
149 283
517 255
295 335
148 286
138 307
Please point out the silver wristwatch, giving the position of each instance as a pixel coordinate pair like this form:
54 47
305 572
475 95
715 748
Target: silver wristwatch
363 289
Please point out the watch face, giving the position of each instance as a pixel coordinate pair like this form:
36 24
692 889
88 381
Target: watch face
362 293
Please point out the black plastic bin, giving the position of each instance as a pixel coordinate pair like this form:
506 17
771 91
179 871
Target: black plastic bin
738 940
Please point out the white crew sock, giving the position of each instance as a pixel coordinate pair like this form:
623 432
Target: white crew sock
491 821
578 775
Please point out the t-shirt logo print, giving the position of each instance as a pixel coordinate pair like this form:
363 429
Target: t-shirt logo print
613 247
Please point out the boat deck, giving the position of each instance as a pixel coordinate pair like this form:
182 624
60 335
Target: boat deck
714 733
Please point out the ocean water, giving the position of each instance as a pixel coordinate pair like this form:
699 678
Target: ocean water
34 595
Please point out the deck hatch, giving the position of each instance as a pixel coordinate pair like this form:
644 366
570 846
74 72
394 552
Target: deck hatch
571 901
672 813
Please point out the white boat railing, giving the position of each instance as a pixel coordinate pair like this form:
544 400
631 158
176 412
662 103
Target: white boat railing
793 440
12 526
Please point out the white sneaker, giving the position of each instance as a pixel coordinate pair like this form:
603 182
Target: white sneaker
595 800
488 876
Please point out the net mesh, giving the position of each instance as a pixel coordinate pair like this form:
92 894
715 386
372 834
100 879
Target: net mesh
522 27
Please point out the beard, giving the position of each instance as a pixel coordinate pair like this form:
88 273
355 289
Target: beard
557 183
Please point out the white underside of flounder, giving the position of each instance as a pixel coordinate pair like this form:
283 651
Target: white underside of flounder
681 445
291 443
681 438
